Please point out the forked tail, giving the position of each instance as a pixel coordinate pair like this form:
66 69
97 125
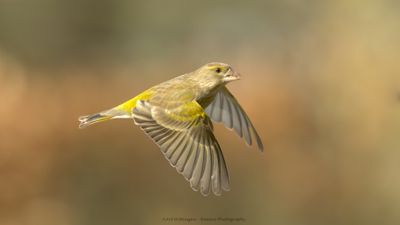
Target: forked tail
92 119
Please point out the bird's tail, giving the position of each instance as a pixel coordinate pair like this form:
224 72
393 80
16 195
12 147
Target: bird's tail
123 111
102 116
92 119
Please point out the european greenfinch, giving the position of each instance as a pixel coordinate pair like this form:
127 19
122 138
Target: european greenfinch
177 116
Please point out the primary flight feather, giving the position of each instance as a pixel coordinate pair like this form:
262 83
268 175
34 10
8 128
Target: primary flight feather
177 116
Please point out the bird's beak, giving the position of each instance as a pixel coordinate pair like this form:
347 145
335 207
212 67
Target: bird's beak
236 75
231 76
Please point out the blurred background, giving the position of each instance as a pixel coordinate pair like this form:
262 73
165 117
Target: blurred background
320 80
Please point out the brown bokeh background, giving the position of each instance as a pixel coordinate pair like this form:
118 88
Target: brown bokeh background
320 80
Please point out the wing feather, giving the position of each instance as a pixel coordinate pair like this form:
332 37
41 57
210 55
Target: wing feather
217 109
226 109
197 171
236 121
188 143
189 167
226 113
185 154
206 177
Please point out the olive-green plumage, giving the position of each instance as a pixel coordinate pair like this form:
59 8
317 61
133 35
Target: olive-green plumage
177 116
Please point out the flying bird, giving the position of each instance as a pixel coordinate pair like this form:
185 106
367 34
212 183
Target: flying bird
177 115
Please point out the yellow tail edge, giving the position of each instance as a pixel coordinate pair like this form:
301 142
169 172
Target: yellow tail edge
121 111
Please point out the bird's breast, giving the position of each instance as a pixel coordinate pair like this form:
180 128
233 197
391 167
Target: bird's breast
206 98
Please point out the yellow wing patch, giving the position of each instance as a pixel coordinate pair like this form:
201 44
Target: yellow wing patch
181 118
187 112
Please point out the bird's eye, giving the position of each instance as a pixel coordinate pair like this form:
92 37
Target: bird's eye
218 70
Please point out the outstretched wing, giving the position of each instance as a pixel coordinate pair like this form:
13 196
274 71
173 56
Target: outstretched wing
185 137
225 108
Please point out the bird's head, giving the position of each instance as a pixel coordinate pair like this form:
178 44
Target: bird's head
218 73
222 71
213 75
